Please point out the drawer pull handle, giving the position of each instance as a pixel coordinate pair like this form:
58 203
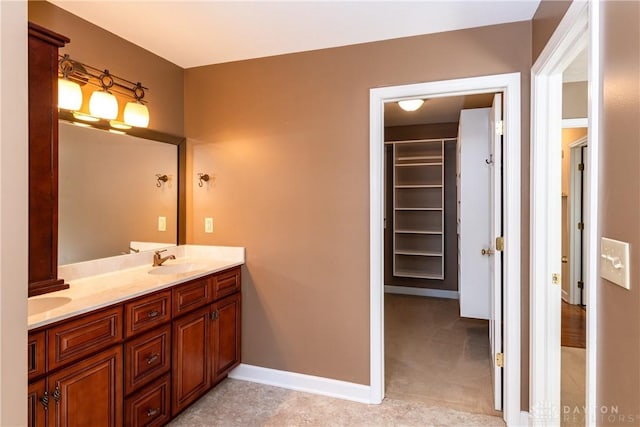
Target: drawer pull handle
152 412
153 314
44 400
57 394
151 359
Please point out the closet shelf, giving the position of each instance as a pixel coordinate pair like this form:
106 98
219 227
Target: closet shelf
418 213
418 253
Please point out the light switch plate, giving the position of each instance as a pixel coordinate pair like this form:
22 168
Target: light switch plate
614 261
162 223
208 225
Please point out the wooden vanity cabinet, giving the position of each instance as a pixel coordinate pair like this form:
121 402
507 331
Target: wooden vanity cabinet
43 160
206 342
140 362
81 382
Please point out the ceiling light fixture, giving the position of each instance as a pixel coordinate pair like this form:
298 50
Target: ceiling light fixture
411 104
103 103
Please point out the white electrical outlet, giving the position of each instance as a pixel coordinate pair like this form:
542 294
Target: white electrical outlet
614 261
162 223
208 225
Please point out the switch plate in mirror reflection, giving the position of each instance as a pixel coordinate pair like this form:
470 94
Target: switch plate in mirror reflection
108 195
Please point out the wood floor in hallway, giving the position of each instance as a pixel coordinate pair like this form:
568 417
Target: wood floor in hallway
435 357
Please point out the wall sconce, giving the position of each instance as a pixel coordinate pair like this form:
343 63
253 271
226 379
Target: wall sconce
161 178
103 104
203 177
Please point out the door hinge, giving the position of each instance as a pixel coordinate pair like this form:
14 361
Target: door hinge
580 166
581 226
580 284
500 360
214 315
499 243
555 278
500 128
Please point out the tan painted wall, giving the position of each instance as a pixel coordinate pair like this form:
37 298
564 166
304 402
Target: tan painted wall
108 194
544 23
618 348
287 139
575 99
13 213
101 49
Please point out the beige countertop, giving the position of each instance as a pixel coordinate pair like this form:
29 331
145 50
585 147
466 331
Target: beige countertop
101 283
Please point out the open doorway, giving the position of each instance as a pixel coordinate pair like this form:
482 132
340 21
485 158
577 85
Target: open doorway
509 86
439 162
577 31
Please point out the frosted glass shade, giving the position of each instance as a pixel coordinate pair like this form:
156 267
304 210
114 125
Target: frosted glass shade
411 104
69 95
104 105
136 114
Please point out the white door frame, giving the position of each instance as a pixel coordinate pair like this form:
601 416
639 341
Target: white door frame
578 28
509 84
574 217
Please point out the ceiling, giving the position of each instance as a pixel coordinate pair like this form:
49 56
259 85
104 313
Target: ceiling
435 110
195 33
577 70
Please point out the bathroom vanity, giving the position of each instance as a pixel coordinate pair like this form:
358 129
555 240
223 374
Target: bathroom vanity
132 344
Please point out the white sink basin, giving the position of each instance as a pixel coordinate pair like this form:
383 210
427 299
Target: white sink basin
40 305
177 268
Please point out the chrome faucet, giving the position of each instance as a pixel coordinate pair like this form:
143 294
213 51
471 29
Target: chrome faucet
158 260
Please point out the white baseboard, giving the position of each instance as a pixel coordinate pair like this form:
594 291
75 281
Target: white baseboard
301 382
422 292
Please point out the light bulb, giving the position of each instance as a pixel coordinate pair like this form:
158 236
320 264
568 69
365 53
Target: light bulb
136 114
104 105
69 95
411 104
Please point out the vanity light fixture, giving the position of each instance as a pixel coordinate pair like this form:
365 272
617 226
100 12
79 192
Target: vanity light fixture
161 178
411 104
203 177
69 92
84 117
119 125
103 103
136 113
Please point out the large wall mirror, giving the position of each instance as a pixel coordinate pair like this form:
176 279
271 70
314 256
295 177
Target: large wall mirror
118 193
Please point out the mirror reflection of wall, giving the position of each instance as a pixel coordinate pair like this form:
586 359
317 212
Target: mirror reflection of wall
109 194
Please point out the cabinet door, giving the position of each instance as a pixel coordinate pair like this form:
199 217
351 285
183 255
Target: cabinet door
191 352
37 412
226 336
88 393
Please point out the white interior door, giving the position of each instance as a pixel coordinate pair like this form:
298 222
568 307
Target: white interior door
474 222
495 322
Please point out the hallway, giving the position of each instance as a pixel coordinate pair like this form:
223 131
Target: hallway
435 357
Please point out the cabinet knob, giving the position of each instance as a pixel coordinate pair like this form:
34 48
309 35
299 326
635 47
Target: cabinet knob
153 313
151 359
152 412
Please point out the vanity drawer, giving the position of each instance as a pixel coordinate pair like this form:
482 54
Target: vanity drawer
190 296
147 312
84 335
226 283
147 357
36 355
149 406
